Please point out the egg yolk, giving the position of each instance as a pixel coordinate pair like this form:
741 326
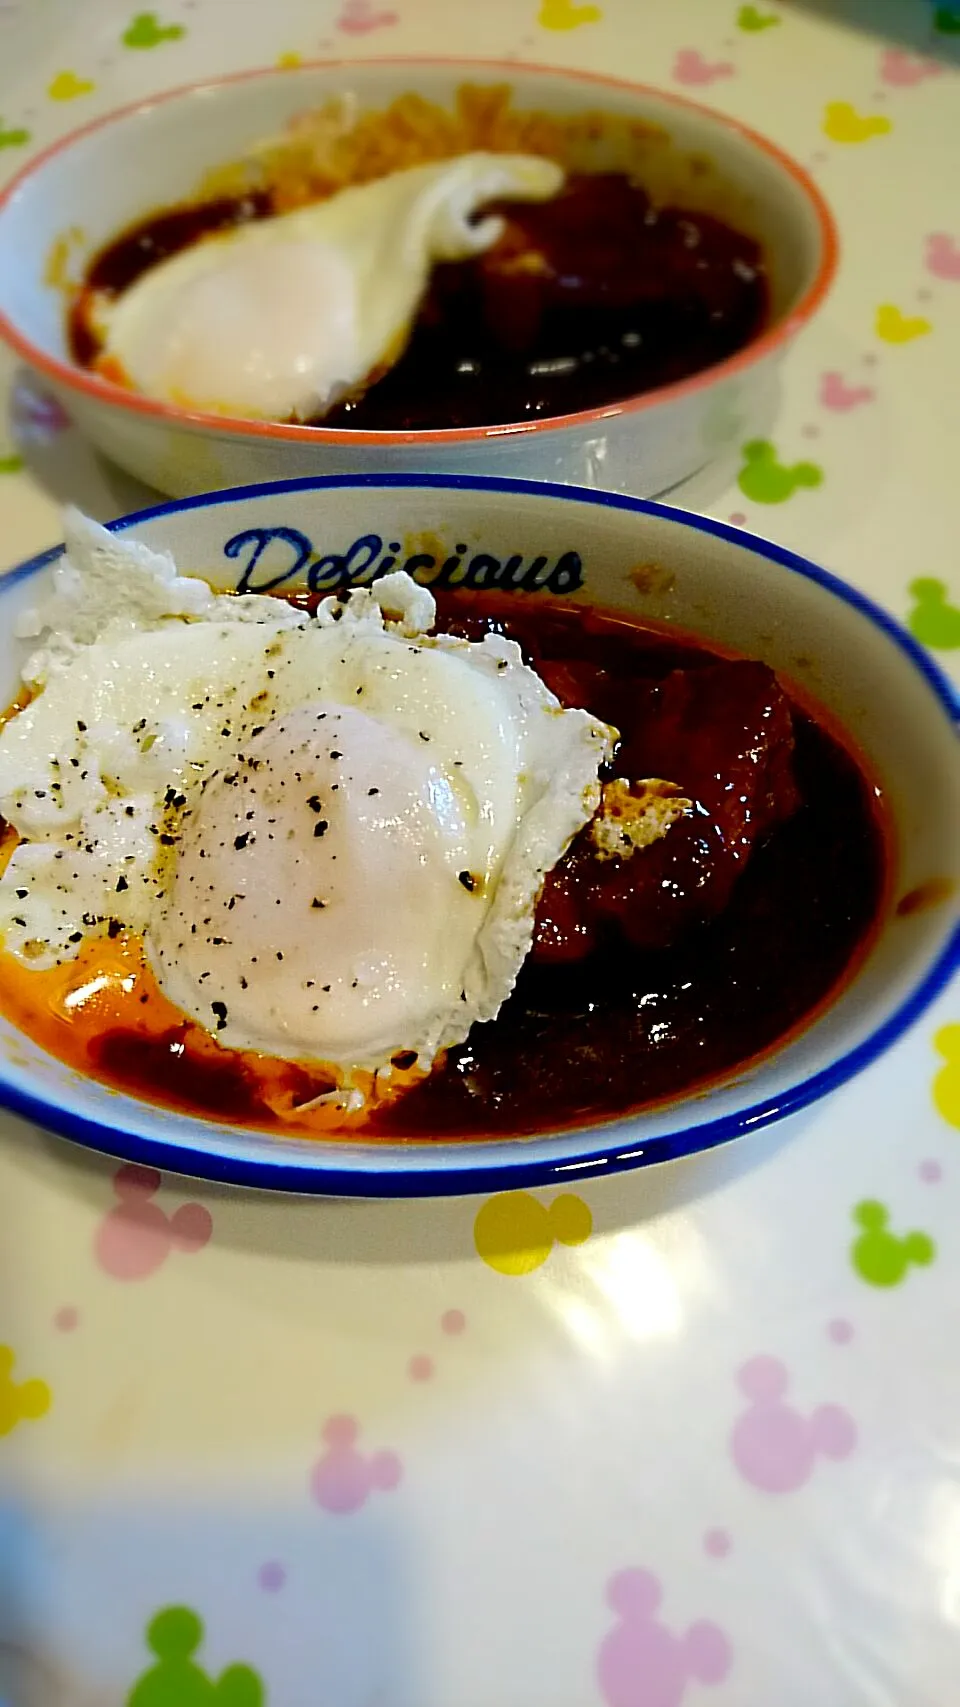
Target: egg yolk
105 1016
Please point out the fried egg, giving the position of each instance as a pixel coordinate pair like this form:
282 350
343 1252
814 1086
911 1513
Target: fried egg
330 832
283 317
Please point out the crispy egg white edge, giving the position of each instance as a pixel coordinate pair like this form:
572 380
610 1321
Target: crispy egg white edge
108 588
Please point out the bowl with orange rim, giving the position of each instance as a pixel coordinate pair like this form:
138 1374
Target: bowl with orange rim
624 333
654 1014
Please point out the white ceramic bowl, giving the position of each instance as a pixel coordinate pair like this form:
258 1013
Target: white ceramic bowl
756 598
87 188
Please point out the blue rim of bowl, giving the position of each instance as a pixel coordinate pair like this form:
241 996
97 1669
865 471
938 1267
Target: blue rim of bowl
620 1147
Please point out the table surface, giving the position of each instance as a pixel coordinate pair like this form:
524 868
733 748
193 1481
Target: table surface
710 1450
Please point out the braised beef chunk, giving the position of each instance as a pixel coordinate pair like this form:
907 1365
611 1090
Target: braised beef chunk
724 734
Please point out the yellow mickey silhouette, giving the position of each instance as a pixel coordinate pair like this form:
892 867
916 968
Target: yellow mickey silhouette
19 1402
514 1233
842 123
895 327
564 15
946 1085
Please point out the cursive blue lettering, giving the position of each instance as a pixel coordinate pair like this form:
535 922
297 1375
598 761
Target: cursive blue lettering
447 575
339 568
510 576
482 571
567 574
531 582
259 539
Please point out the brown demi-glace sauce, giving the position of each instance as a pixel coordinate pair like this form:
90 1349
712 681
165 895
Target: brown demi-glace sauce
587 299
649 976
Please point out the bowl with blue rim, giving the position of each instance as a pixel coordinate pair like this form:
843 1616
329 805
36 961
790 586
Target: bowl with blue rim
610 567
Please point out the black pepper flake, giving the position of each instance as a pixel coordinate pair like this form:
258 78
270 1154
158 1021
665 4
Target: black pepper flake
316 902
423 736
77 936
242 840
373 791
243 983
128 812
326 989
40 793
82 727
22 894
114 928
469 881
279 954
220 1009
321 827
336 755
122 884
315 803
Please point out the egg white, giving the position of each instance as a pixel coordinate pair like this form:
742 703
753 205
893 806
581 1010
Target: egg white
282 317
171 775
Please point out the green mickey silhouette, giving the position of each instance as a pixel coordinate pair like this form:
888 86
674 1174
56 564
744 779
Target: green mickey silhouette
176 1680
880 1257
145 31
766 480
933 621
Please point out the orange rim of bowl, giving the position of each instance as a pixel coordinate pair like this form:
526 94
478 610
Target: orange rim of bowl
775 337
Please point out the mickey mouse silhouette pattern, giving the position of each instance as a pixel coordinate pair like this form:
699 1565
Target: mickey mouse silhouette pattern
943 256
20 1401
843 123
565 15
136 1236
775 1447
880 1257
343 1478
177 1680
766 480
933 620
641 1662
946 1085
514 1232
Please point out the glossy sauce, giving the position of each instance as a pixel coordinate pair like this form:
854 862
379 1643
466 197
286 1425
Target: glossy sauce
596 1025
590 298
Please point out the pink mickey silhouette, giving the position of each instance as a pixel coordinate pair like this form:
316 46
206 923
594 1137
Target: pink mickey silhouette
358 17
137 1236
774 1446
343 1478
903 70
835 393
690 67
643 1664
943 256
